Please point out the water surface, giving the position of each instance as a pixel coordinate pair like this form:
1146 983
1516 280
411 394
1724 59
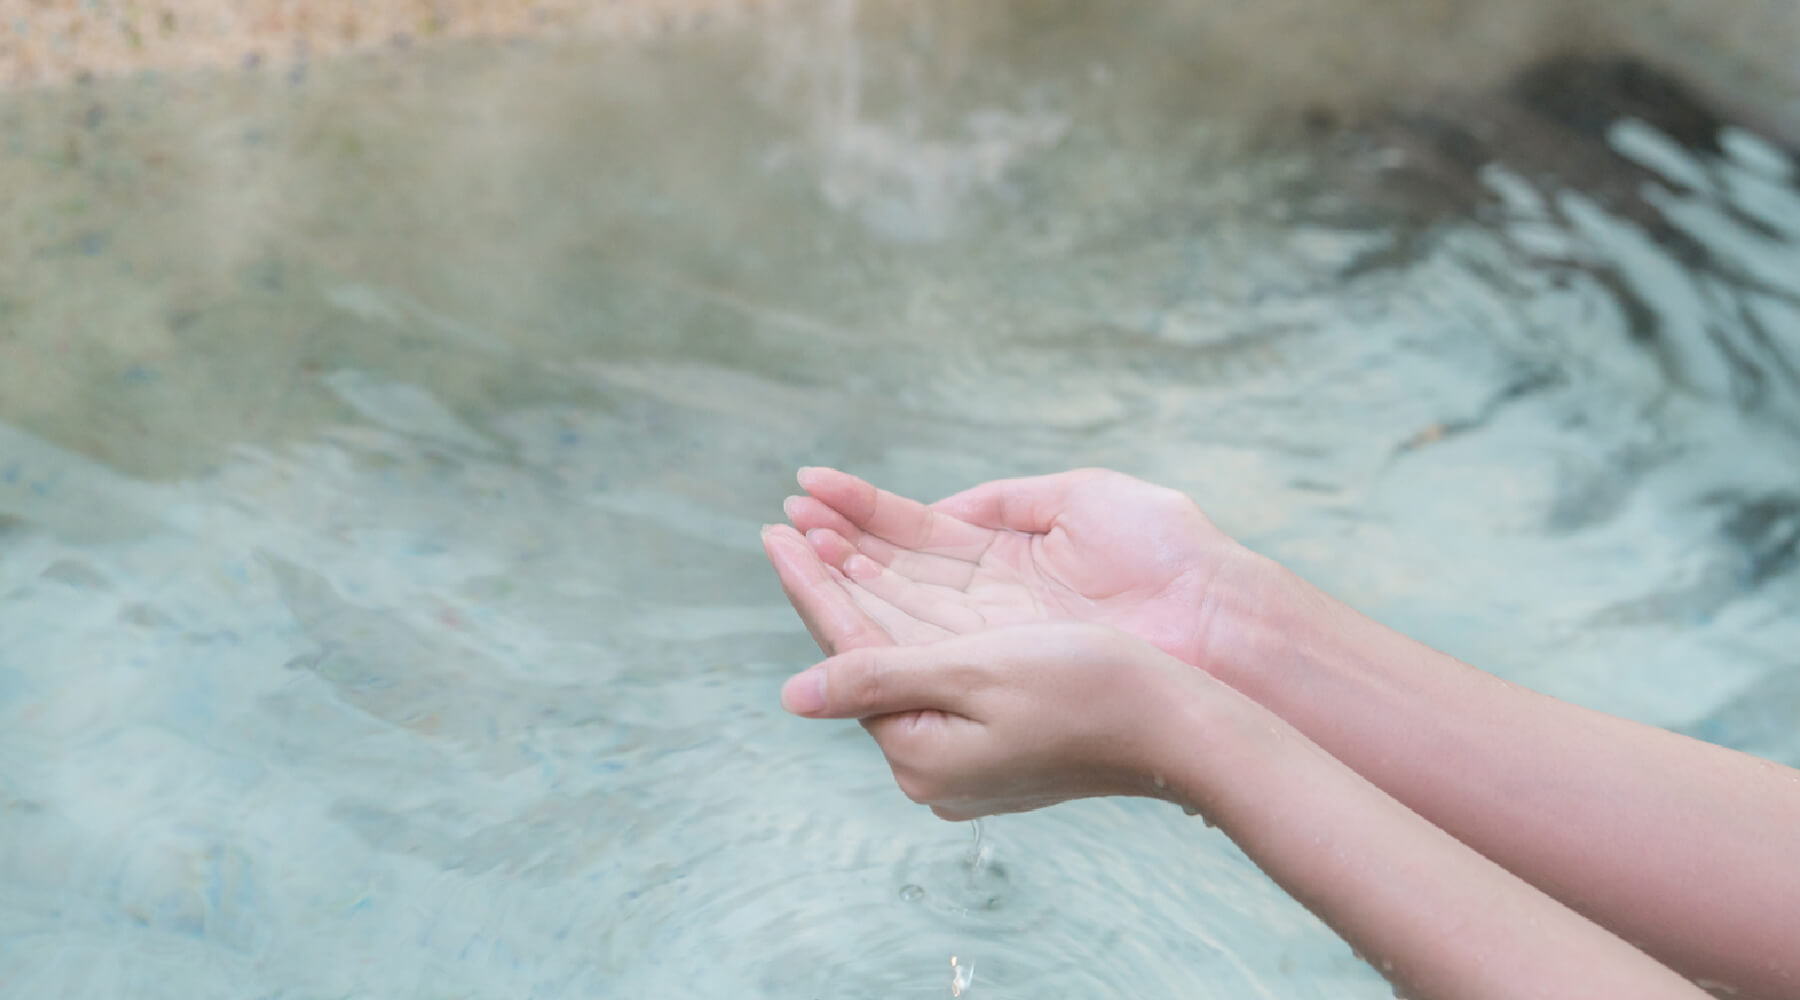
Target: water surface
382 451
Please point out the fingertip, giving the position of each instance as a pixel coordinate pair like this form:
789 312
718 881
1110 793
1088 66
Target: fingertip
860 567
830 546
794 561
815 479
804 693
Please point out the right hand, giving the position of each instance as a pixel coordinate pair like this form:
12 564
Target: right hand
1089 545
1011 719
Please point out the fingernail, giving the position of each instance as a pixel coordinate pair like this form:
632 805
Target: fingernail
788 505
861 567
805 470
766 529
804 693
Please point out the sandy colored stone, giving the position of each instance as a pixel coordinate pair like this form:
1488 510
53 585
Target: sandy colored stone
1303 49
48 41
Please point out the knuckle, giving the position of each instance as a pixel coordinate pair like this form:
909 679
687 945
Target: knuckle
968 675
916 786
867 681
1172 499
1178 505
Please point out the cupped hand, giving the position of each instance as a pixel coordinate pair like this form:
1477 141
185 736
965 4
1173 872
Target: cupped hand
1007 720
1089 545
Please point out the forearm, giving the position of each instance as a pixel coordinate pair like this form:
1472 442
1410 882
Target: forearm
1689 850
1435 917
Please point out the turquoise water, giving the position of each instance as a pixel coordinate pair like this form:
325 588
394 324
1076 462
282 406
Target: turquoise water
382 452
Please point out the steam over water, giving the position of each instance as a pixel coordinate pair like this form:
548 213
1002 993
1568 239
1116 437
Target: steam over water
382 450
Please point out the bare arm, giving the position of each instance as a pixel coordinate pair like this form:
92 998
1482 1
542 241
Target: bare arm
1689 850
1019 718
1436 917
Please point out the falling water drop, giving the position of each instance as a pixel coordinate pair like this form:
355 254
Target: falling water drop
962 976
984 879
980 857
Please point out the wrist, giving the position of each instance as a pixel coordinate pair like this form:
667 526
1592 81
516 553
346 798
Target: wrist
1260 616
1191 727
1208 741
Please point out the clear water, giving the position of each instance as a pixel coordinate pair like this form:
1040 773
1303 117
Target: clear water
382 453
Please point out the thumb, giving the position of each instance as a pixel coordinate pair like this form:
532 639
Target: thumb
881 681
1029 504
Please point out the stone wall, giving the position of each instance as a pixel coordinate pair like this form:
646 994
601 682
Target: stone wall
50 41
1305 49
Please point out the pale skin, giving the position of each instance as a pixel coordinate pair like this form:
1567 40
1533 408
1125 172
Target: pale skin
1461 829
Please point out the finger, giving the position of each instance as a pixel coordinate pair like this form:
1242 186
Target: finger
884 681
903 627
1029 504
813 517
833 617
919 567
906 523
832 547
904 736
810 514
941 606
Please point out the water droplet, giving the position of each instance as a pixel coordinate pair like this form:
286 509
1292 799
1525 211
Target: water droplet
912 893
979 853
961 976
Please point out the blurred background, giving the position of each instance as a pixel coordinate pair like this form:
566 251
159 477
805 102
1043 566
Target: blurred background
390 394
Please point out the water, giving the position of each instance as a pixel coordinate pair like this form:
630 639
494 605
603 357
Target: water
382 452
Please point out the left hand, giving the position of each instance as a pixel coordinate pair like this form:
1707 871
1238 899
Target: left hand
1089 545
1009 719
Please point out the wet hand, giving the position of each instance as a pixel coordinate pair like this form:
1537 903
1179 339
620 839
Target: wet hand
1006 720
1084 546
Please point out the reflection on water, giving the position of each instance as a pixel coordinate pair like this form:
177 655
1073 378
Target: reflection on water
381 456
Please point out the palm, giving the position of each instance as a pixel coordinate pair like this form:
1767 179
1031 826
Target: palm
1082 546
